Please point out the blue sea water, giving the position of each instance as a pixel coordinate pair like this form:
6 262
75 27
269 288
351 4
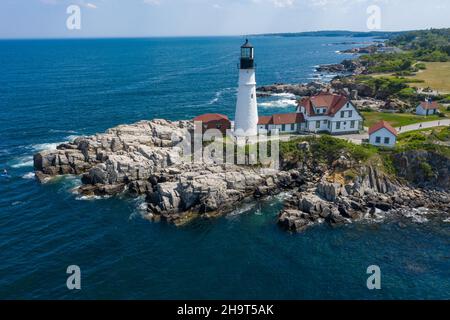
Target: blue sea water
54 90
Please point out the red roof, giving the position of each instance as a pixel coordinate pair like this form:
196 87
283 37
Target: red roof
263 120
331 102
288 118
380 125
429 105
282 118
211 117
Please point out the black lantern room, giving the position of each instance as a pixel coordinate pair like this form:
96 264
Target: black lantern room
247 58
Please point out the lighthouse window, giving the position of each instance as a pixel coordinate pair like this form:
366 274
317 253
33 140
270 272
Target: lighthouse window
246 52
252 95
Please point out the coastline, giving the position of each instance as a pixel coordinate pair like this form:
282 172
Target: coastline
142 159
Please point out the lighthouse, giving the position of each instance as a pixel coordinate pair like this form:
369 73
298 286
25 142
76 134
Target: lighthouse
246 117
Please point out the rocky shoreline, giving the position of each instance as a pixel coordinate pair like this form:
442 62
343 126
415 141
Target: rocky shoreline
372 198
144 159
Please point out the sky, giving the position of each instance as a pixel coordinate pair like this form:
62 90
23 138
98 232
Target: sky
145 18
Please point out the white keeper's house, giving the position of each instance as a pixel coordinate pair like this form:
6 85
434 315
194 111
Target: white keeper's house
332 113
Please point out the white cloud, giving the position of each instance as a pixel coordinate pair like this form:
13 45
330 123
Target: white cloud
153 2
277 3
283 3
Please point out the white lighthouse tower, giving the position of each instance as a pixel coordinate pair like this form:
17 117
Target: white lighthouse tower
246 117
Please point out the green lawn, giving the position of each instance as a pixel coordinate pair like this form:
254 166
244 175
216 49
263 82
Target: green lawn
436 76
395 119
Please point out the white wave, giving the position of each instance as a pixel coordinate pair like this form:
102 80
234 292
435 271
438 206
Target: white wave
29 175
91 198
281 103
218 95
62 131
72 137
214 100
46 146
284 95
4 152
23 162
446 220
242 208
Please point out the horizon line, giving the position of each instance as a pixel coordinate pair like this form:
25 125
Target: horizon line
202 36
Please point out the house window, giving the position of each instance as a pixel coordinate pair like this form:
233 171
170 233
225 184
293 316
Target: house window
378 140
325 122
283 127
338 125
352 124
317 124
387 140
350 114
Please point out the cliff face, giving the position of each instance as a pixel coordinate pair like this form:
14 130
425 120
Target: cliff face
369 193
424 169
122 154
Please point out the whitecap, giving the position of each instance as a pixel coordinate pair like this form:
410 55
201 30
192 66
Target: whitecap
285 95
91 198
23 162
62 131
72 137
218 95
281 103
29 175
46 146
243 208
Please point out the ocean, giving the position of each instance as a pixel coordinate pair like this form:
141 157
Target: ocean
54 90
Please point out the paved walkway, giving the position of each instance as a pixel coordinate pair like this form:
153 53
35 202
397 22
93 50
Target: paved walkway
424 125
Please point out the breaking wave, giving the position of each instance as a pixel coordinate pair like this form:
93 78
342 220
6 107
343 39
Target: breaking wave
29 176
218 95
23 162
280 103
46 146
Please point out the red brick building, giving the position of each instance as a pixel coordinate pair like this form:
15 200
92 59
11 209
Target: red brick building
214 121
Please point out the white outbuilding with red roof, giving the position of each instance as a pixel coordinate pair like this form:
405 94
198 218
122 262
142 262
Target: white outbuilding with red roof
427 108
382 134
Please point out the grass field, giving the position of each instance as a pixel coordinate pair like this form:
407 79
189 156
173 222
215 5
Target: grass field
436 76
395 119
